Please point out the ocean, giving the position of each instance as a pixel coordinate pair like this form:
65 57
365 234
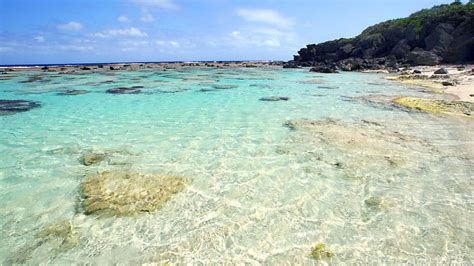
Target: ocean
335 163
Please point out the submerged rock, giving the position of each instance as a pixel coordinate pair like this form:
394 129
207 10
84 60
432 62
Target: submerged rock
373 201
224 87
172 90
91 158
50 240
123 91
319 252
274 98
206 90
128 193
436 106
32 79
16 106
327 87
354 148
312 81
64 231
72 92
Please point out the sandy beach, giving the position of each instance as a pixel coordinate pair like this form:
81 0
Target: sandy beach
458 81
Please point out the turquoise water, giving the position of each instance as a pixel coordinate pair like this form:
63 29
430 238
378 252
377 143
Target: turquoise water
259 194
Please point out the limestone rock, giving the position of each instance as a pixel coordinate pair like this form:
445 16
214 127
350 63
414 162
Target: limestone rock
423 58
90 158
128 193
436 106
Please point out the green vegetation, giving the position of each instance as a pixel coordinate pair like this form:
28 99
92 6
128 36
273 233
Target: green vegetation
455 11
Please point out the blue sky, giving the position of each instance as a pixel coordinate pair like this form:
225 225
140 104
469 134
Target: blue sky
80 31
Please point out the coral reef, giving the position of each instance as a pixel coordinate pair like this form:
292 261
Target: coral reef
128 193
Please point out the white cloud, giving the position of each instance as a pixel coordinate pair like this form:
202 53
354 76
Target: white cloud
70 26
236 35
272 43
130 32
266 16
168 43
123 19
39 38
78 48
260 37
147 17
5 49
164 4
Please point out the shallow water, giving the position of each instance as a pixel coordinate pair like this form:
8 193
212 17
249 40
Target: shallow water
260 191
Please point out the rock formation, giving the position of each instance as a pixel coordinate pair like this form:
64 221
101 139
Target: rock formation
442 34
125 193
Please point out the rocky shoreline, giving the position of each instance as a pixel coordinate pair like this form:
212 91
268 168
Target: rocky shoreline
443 34
77 68
457 80
454 80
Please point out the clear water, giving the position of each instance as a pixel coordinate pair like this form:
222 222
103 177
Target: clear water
257 196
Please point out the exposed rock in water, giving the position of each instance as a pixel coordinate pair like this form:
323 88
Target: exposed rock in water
128 193
448 83
442 34
72 92
436 106
91 158
323 69
56 238
16 106
274 98
123 91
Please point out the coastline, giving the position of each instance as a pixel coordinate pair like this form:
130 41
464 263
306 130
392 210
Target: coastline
139 65
203 129
458 80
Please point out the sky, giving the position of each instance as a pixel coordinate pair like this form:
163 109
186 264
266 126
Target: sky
91 31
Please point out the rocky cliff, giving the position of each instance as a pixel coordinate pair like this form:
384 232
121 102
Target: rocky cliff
442 34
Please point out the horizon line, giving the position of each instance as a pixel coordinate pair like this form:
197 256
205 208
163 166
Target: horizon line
136 62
